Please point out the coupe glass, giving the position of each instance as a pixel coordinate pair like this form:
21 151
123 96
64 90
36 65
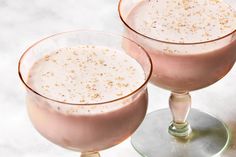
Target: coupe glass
206 63
87 132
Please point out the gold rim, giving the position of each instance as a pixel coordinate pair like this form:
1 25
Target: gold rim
67 103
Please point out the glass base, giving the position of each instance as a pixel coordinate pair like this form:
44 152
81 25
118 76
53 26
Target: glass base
90 154
209 137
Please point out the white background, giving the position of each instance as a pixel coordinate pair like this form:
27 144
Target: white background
26 21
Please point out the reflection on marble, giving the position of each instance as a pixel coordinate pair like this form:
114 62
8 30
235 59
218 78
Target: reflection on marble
24 22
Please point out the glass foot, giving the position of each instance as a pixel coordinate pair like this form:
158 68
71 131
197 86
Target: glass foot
209 137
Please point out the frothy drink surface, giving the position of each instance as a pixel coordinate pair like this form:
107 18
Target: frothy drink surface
86 74
183 21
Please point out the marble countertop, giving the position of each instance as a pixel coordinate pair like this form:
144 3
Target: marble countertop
24 22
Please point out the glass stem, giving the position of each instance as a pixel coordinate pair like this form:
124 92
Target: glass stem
90 154
180 104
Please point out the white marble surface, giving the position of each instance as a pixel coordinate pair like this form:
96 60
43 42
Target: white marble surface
26 21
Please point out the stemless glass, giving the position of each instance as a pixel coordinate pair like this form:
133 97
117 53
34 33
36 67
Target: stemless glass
204 64
87 132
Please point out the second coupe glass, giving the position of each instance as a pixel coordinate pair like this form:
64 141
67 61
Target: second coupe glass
191 66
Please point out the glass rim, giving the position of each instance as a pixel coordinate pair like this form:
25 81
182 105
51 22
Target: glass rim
168 42
86 104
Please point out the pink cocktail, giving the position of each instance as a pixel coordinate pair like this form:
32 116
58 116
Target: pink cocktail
84 91
192 44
